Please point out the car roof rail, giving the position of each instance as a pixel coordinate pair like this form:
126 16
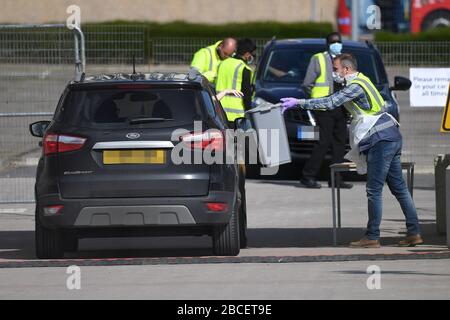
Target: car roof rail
372 45
271 42
81 79
193 74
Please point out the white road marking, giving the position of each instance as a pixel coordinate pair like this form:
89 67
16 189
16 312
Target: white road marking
14 210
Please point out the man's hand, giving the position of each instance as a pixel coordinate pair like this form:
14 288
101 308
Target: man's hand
289 103
236 93
229 92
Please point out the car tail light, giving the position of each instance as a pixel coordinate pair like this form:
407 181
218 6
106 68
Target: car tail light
54 143
209 140
50 144
217 207
52 210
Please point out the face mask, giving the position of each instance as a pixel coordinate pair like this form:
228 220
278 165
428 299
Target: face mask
336 49
338 78
350 77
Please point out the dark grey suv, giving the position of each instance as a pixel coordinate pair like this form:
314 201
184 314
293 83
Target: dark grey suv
107 166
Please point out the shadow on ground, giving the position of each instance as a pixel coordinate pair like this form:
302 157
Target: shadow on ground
19 245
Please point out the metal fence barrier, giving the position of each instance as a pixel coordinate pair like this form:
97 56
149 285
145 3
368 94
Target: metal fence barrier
36 61
179 51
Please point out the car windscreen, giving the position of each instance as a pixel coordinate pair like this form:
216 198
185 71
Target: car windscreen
290 65
119 108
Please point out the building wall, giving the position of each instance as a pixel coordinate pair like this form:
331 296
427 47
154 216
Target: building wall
202 11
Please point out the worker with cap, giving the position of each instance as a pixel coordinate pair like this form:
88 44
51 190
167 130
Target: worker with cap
376 146
207 60
236 74
318 83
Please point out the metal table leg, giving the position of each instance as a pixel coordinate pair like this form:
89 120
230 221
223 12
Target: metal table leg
333 199
338 188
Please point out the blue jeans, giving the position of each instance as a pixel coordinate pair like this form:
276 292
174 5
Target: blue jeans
384 164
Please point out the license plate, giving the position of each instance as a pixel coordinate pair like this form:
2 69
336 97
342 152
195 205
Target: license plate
134 157
308 133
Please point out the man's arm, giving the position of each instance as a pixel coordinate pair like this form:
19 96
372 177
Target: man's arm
334 101
277 73
312 73
198 62
246 88
201 63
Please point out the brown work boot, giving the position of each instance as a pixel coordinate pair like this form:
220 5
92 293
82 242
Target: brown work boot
365 243
411 241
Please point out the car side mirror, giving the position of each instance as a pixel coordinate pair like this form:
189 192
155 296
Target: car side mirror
243 124
401 84
38 129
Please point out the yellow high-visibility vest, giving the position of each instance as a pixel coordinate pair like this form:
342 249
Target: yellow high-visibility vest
376 101
322 88
207 61
229 76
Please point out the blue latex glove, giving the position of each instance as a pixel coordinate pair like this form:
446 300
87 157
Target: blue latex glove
289 103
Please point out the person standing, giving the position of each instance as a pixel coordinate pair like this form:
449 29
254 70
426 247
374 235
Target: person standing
319 82
376 147
236 74
207 60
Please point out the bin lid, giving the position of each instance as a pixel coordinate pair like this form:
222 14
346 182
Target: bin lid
264 108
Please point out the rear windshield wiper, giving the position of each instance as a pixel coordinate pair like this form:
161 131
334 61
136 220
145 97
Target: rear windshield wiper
148 120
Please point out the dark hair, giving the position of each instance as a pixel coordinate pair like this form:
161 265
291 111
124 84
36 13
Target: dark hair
348 60
244 46
333 35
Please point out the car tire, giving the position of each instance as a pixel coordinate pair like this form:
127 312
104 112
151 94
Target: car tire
243 222
440 18
49 243
226 237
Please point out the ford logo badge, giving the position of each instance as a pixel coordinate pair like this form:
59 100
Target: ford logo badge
133 136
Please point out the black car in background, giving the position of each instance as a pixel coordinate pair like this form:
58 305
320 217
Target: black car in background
106 168
292 58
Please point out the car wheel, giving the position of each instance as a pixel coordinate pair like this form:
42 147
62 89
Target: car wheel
226 237
243 222
49 243
436 19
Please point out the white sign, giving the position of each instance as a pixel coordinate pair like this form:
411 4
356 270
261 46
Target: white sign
429 87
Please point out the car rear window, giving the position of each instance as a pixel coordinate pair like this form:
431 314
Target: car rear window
117 108
295 62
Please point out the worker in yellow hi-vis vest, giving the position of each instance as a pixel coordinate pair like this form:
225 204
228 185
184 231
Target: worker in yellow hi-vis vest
235 74
376 147
319 82
207 60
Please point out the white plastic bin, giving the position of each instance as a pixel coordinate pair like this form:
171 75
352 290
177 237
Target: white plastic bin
273 143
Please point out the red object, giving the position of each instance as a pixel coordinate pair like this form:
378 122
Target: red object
209 140
217 207
54 143
344 19
420 9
